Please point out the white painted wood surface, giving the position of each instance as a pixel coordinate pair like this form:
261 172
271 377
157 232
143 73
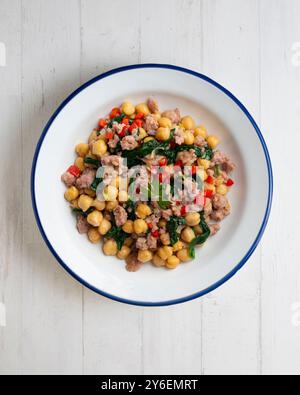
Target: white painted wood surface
52 325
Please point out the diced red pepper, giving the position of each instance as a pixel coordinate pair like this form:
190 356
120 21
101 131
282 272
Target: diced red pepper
123 131
132 127
139 115
208 193
125 121
102 123
115 112
178 203
194 170
155 234
138 190
179 163
183 211
139 122
150 226
230 182
74 170
109 135
163 162
210 180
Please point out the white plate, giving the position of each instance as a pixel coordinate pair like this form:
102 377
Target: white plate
210 104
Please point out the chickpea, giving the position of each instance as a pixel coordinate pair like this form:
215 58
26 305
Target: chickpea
90 193
222 189
128 108
188 235
198 230
99 148
184 255
143 211
192 219
158 262
74 204
147 139
145 256
163 134
79 162
110 206
165 239
123 196
94 236
219 181
128 227
178 246
110 248
104 227
82 149
143 134
140 226
85 202
165 252
71 193
213 141
95 218
110 193
165 122
188 123
173 262
99 205
189 138
201 131
128 242
157 116
204 163
162 223
93 136
124 252
142 108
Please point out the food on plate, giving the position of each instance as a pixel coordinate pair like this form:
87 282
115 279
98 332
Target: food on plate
150 186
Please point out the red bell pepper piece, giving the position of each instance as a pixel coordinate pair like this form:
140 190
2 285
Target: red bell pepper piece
230 182
74 170
155 234
102 123
208 193
163 162
115 112
210 180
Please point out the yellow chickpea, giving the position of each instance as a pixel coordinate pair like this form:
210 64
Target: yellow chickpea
128 227
99 148
184 255
178 246
93 136
157 116
173 262
142 109
110 193
198 230
222 189
189 138
99 205
204 163
192 219
163 134
71 193
157 261
213 141
219 181
188 123
201 131
162 223
147 139
145 256
110 206
188 235
165 239
124 252
140 226
82 149
165 122
79 162
85 202
128 108
142 133
95 218
74 204
94 236
110 248
104 227
90 193
165 252
143 211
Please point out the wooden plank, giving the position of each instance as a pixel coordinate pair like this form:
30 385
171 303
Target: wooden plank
51 308
172 342
231 318
112 331
280 119
10 208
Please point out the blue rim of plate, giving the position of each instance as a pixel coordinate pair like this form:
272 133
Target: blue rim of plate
270 193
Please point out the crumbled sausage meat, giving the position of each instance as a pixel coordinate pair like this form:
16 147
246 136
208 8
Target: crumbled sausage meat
68 179
173 115
86 179
120 215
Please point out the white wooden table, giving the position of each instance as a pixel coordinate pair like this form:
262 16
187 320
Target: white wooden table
51 324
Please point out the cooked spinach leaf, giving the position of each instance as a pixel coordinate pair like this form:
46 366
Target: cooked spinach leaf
118 235
172 227
92 161
201 239
95 184
80 212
